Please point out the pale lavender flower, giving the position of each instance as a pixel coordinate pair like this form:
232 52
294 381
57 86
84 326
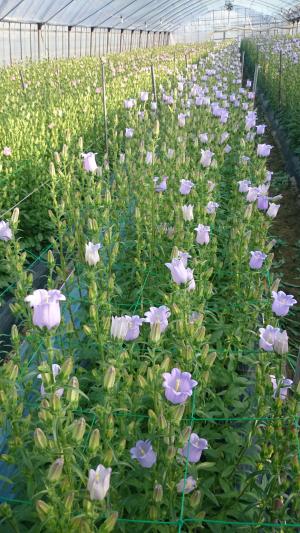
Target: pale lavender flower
249 84
178 385
281 345
260 129
206 158
170 153
128 104
194 448
99 482
55 371
273 210
46 309
122 158
244 185
158 316
180 86
178 271
7 151
162 186
202 236
129 133
149 158
186 485
92 254
252 194
184 257
144 96
181 120
264 150
89 162
257 259
224 137
5 231
267 338
203 137
283 391
153 106
262 202
187 212
227 149
133 331
144 453
211 207
251 95
282 303
186 186
269 175
250 136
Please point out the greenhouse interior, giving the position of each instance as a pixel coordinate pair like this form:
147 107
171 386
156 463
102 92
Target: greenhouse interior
149 266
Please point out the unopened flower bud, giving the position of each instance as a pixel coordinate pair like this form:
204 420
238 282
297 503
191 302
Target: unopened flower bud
248 211
55 402
55 470
42 509
165 365
57 157
155 332
94 440
69 502
14 373
80 143
195 498
109 523
153 514
79 429
171 452
109 378
52 169
14 333
158 493
40 438
162 422
178 413
66 368
73 391
108 457
15 216
210 359
141 381
275 285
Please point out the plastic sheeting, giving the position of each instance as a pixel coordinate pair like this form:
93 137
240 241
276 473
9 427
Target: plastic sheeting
150 15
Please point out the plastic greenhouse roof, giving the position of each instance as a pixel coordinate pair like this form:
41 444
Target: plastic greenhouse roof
154 15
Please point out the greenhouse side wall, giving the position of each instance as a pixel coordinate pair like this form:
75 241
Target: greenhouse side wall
21 42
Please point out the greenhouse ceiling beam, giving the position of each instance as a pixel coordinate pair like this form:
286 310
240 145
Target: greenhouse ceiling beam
171 19
93 13
57 12
116 13
188 5
145 14
158 15
12 9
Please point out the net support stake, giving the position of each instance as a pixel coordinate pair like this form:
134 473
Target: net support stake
104 104
153 83
257 67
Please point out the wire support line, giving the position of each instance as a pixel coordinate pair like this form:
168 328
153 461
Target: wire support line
25 198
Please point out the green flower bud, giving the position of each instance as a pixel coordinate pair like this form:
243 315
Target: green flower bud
178 413
66 368
109 523
51 169
80 524
171 452
210 359
69 502
87 330
155 332
141 381
165 365
162 422
195 498
14 373
158 493
108 457
42 509
40 438
55 470
94 440
14 333
73 391
153 514
79 429
109 378
15 216
110 427
55 403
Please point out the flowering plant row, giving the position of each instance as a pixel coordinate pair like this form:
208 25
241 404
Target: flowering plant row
278 77
151 391
50 107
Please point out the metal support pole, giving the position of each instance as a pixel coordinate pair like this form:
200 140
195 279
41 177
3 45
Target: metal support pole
153 83
80 42
121 39
69 41
104 105
107 40
140 39
257 67
22 79
243 63
30 41
21 48
39 27
147 39
91 41
280 77
55 42
131 39
9 39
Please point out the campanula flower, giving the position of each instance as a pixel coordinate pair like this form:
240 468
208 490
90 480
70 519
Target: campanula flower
144 453
178 385
282 303
46 309
99 482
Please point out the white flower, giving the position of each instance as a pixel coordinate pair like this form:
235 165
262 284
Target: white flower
187 212
98 483
187 485
273 210
119 326
91 253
